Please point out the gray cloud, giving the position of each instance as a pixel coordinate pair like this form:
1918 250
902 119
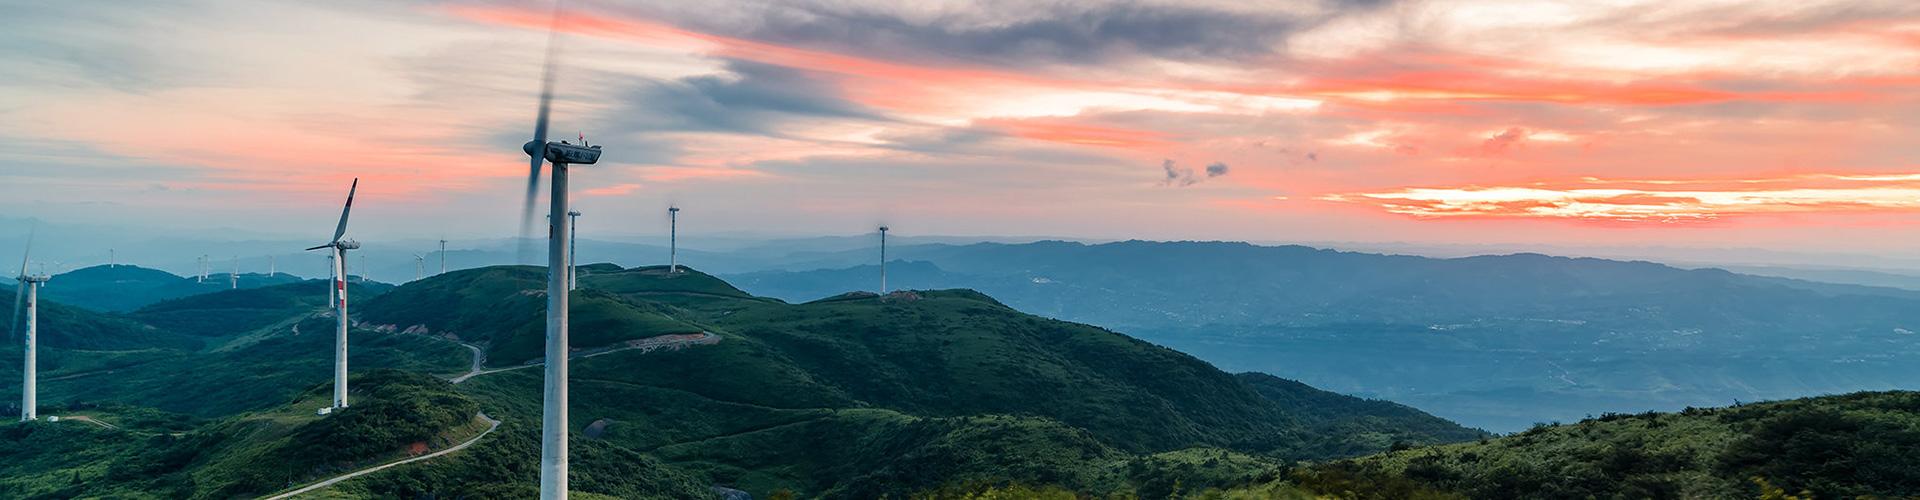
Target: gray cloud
1216 169
755 100
1020 34
1177 176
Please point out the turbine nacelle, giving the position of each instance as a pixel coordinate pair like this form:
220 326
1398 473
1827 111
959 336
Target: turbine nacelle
343 245
564 152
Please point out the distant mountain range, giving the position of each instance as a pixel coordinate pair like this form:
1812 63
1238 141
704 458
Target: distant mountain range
1497 342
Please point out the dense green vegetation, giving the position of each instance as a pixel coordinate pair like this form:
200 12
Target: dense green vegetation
868 396
247 372
1342 425
66 327
241 456
1862 445
233 312
127 288
504 309
854 397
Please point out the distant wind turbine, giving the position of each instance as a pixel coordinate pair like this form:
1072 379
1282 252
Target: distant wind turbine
419 267
573 240
337 251
443 256
30 285
233 280
673 239
883 260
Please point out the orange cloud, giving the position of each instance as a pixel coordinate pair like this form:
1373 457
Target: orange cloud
1056 131
1658 201
614 189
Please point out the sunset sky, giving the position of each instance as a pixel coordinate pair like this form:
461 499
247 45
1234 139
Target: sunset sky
1773 124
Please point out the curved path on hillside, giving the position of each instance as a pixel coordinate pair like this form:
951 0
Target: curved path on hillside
492 424
644 347
479 357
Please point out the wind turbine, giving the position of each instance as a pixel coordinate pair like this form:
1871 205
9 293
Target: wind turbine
573 238
233 280
337 252
443 256
883 260
419 267
553 419
673 239
30 284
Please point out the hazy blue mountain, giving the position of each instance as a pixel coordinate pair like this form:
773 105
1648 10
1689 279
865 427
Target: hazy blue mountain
1497 342
126 288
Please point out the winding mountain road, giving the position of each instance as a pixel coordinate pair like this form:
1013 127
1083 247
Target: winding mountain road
493 424
477 369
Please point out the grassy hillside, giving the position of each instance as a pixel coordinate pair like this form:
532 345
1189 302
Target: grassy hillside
126 288
504 309
863 396
232 312
1862 445
66 327
249 372
1347 426
243 456
850 397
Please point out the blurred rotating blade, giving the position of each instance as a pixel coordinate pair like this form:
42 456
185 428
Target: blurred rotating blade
537 149
20 290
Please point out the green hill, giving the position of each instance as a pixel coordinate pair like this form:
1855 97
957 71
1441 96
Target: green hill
256 454
864 395
858 396
243 350
125 288
1350 426
66 327
231 312
504 309
1861 445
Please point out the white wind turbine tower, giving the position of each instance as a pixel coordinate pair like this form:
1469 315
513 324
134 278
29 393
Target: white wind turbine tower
233 280
573 240
419 267
28 291
443 256
553 419
337 252
883 260
673 239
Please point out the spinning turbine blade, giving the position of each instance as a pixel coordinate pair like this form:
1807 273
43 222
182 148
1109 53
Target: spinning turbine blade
20 290
538 147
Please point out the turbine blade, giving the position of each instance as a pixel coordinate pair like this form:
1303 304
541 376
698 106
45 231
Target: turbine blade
20 290
342 229
19 298
320 247
537 149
